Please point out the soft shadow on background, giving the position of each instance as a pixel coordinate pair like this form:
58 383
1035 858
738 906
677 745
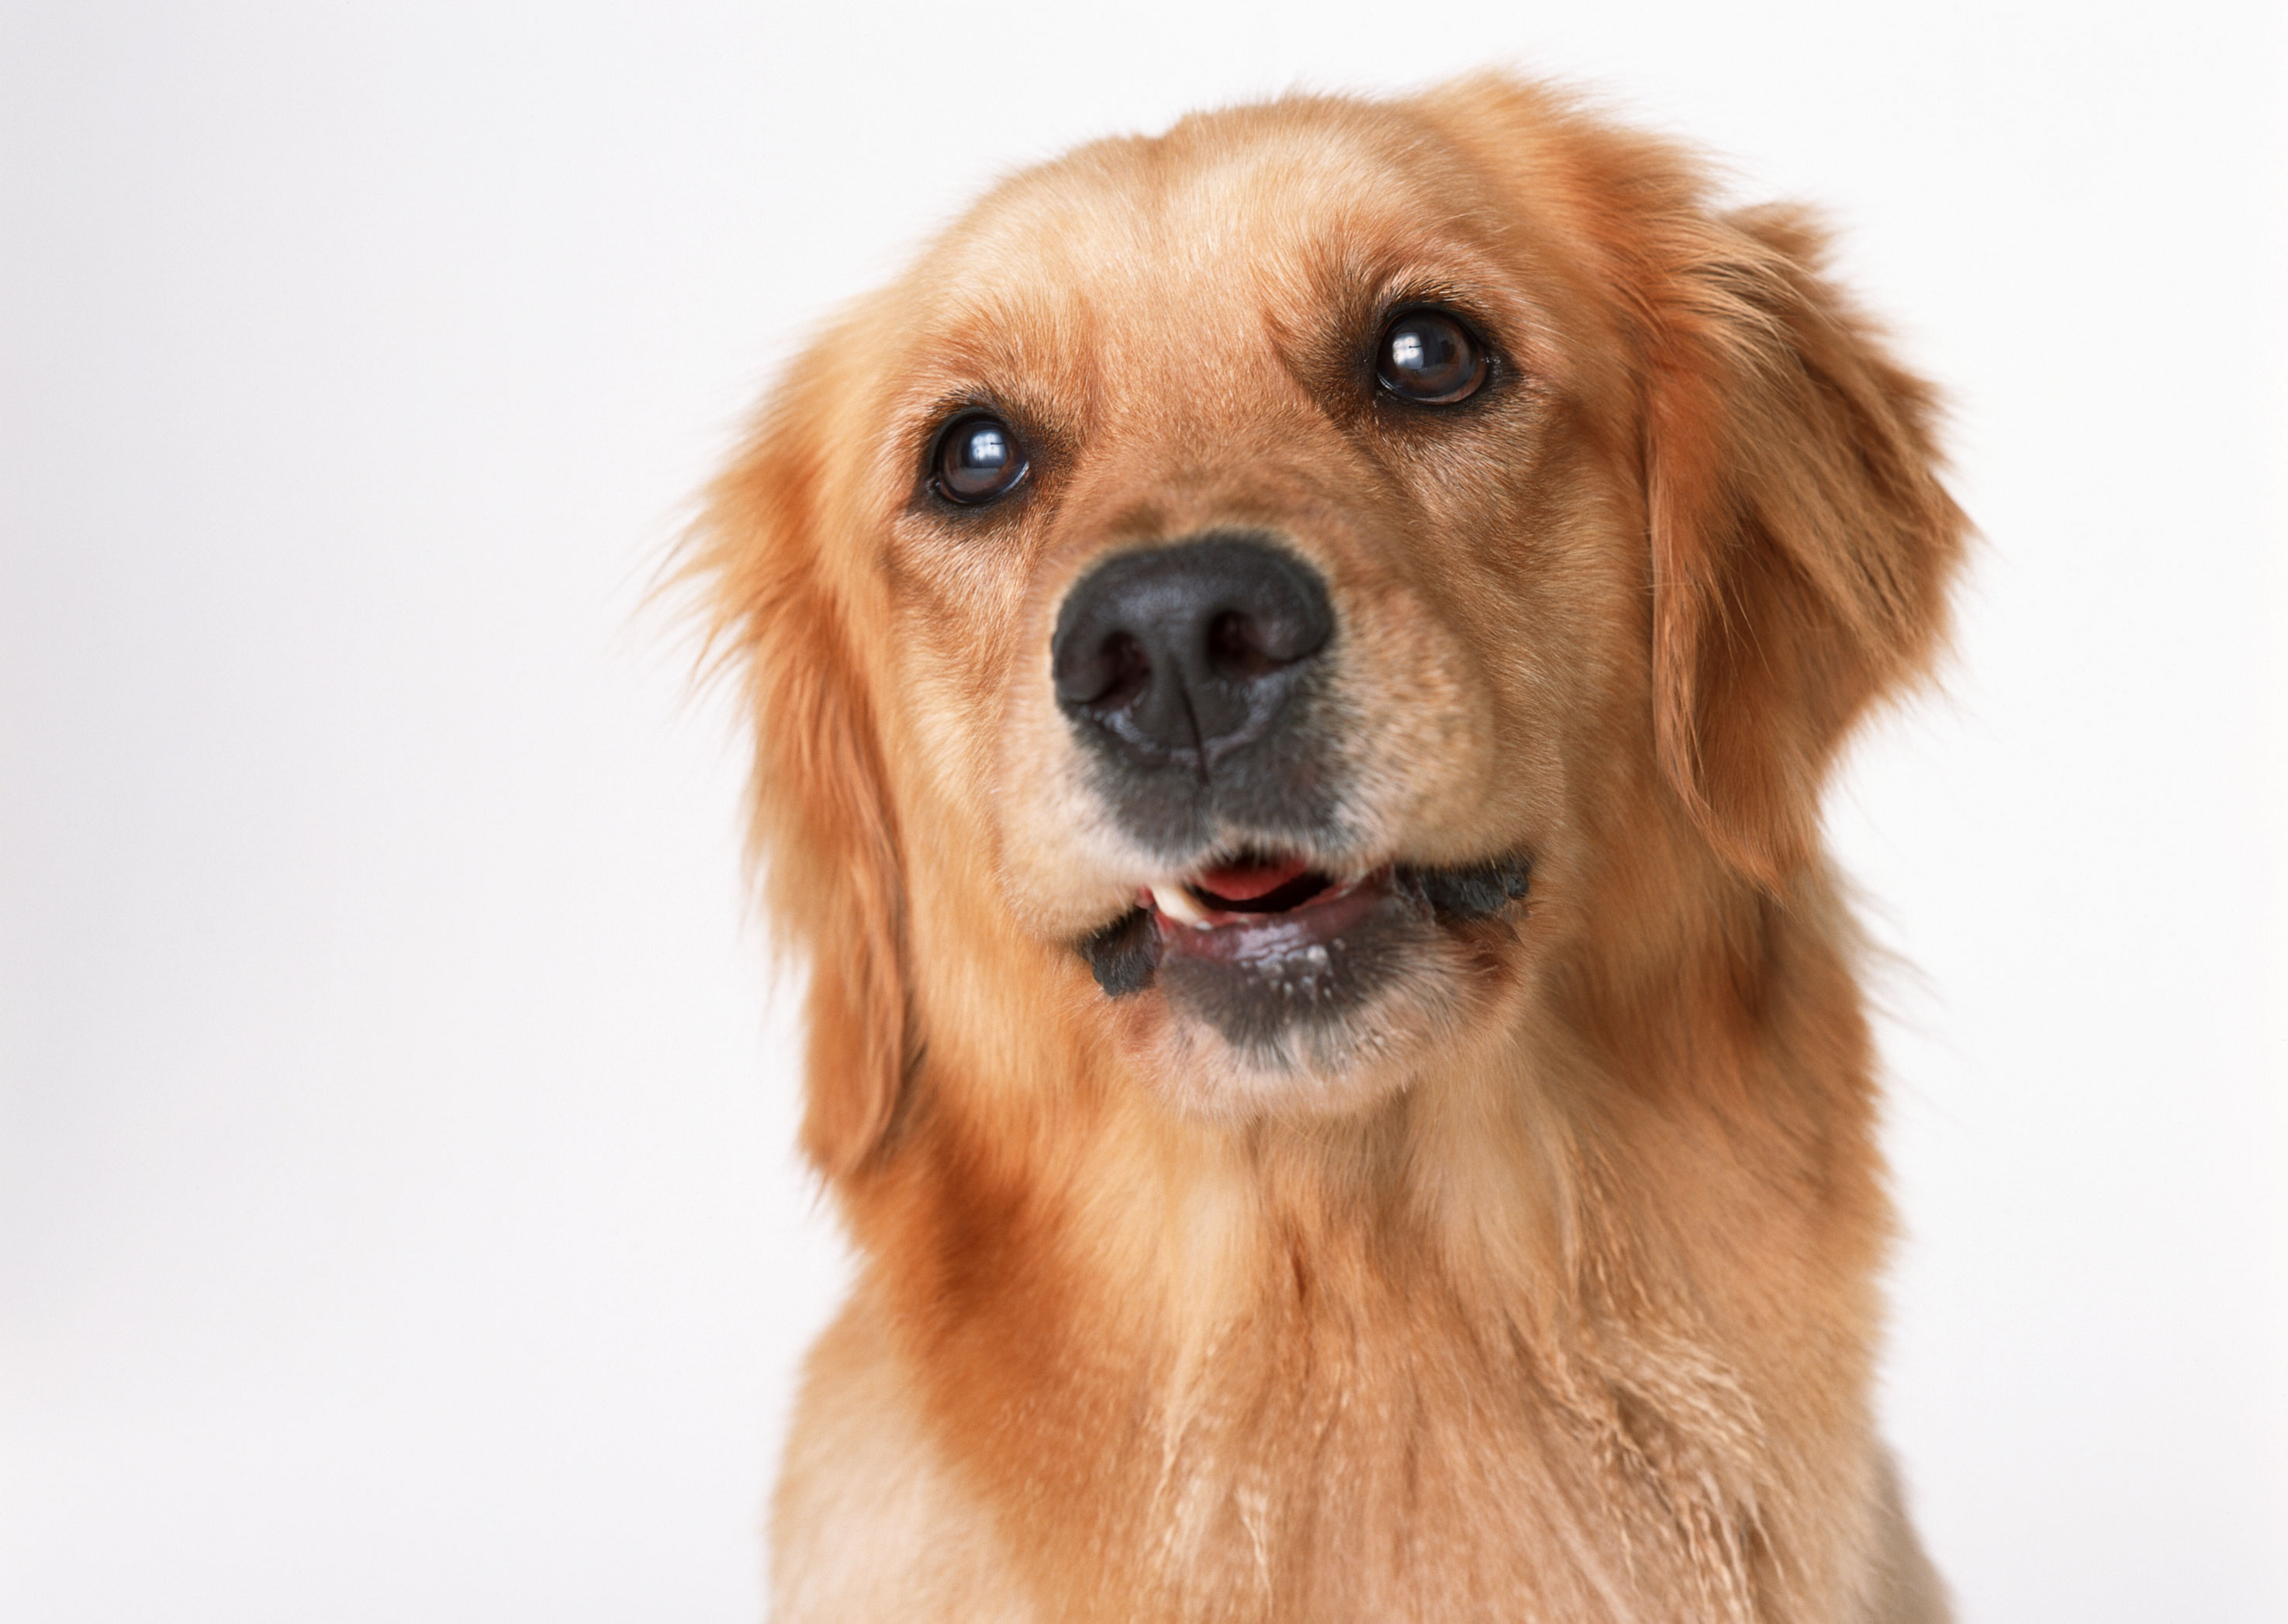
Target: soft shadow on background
397 1213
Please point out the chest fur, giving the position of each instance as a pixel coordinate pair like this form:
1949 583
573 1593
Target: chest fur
1390 1457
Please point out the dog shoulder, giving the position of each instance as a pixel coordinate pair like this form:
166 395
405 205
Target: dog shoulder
870 1523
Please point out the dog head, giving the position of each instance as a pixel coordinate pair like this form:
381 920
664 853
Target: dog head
1249 600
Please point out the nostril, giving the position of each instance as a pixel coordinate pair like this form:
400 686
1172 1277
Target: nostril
1237 647
1104 673
1123 669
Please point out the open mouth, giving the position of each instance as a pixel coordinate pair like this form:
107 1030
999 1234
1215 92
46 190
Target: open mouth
1292 924
1250 887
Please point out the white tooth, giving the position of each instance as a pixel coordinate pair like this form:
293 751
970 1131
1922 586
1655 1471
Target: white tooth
1176 903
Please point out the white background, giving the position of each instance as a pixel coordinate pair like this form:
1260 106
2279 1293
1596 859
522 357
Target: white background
397 1217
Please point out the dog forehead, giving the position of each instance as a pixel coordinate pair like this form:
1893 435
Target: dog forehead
1228 215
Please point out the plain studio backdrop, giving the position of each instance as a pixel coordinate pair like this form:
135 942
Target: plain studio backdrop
398 1215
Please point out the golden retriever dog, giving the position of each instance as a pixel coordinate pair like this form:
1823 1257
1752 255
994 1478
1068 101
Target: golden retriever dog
1293 664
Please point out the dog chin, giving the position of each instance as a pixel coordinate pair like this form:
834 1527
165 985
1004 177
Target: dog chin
1319 1008
1311 1064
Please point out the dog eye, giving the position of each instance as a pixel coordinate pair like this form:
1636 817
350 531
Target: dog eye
978 457
1429 358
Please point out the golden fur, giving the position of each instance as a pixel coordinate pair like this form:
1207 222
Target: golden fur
1553 1294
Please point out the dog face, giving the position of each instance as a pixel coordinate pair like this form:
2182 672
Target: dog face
1248 599
1264 548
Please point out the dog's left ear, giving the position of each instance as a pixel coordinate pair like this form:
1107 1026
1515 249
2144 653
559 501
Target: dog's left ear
1801 542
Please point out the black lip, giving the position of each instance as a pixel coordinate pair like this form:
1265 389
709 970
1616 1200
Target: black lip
1126 956
1123 956
1477 891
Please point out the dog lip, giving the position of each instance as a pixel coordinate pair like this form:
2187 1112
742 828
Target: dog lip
1189 923
1311 920
1309 930
1251 884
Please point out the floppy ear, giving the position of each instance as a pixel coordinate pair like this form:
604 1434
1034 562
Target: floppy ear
1801 542
821 822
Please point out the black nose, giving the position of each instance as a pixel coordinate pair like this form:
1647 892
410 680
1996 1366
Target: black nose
1186 654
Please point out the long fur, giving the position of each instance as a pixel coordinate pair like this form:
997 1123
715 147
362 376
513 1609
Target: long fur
1576 1319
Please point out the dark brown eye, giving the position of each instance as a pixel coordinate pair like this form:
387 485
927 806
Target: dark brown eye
977 458
1429 358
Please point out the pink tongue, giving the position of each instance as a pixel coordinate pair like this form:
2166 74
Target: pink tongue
1244 884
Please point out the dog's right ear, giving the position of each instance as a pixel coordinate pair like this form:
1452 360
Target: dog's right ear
822 824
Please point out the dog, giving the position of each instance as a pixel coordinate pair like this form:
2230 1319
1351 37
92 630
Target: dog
1293 665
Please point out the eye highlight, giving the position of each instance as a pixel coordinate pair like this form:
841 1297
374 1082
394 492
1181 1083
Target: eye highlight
1428 358
977 459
